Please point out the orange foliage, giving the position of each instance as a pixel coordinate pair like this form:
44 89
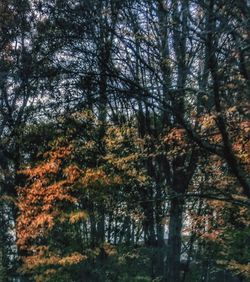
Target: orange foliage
53 196
38 200
50 259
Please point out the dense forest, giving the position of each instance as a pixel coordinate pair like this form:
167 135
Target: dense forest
124 140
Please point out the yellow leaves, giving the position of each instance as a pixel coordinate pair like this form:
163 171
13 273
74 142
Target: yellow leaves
243 269
116 137
90 145
46 276
109 249
130 255
46 264
232 109
8 199
122 163
239 268
50 272
116 179
207 121
50 259
95 177
86 115
142 178
128 168
125 152
75 217
71 259
98 178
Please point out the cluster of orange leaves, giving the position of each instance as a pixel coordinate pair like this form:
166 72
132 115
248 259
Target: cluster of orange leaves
177 142
37 200
50 185
51 259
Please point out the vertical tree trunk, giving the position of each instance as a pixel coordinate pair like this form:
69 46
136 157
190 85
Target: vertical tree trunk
174 240
92 227
101 227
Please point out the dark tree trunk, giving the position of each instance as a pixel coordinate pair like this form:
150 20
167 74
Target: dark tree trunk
174 240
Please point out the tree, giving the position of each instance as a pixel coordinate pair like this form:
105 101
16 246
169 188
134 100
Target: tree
145 99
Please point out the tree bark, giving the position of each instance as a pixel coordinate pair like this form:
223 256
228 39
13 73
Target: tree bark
174 240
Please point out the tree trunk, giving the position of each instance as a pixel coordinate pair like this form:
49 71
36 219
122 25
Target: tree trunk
174 241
